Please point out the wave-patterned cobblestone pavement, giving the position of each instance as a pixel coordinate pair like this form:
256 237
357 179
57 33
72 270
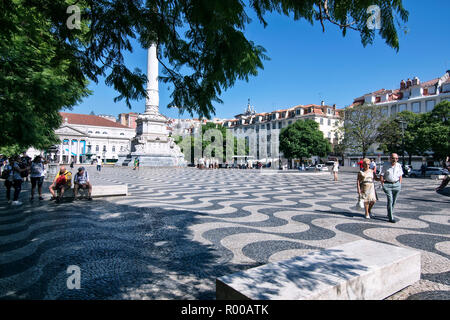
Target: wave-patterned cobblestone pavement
180 229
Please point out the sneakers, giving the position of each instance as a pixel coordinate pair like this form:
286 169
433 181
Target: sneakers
16 203
40 198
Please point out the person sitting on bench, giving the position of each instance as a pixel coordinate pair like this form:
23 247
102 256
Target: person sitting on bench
81 180
61 183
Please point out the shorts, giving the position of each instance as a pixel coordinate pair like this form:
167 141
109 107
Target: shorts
82 186
60 186
38 180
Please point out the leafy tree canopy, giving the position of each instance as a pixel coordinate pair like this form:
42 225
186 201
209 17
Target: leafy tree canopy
360 127
35 79
204 38
45 65
303 139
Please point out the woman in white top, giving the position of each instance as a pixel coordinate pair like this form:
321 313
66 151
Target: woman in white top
37 176
335 170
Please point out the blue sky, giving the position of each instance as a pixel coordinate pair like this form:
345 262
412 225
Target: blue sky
308 65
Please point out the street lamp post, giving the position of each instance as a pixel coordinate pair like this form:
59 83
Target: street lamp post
403 125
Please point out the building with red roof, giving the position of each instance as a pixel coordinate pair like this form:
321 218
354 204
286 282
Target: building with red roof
89 137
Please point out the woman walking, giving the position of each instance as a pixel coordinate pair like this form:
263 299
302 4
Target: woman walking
366 188
335 170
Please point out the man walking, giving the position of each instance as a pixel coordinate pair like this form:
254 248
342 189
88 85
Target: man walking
391 181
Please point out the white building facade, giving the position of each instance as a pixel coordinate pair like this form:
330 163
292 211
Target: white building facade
262 130
413 95
88 137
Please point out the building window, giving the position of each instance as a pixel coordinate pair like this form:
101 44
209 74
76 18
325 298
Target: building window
329 121
416 107
268 126
280 125
114 149
89 131
297 112
430 105
401 107
97 148
104 148
274 125
97 132
289 122
104 132
321 120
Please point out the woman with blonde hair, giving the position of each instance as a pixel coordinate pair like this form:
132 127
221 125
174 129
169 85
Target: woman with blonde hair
366 188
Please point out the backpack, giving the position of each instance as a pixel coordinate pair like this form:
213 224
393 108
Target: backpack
65 178
6 173
37 168
25 173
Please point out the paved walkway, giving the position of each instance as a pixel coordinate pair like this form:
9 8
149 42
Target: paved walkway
180 229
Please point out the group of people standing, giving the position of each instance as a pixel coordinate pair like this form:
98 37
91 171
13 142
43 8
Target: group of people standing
15 170
390 178
207 163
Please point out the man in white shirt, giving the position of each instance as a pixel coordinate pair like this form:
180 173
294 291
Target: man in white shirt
81 181
391 181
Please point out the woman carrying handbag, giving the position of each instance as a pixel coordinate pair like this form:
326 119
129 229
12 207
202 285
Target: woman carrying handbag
366 187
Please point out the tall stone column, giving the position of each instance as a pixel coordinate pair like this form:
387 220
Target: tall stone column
152 101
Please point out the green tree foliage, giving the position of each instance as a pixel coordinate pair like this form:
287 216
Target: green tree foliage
360 127
202 49
303 139
204 36
392 138
35 79
436 130
424 132
209 133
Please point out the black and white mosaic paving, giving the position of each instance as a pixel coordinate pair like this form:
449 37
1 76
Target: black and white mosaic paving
180 229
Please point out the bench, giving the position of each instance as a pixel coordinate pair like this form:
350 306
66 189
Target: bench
356 270
101 191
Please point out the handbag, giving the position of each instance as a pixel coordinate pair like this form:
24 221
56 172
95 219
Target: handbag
359 204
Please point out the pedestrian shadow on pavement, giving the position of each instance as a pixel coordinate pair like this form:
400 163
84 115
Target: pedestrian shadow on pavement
444 192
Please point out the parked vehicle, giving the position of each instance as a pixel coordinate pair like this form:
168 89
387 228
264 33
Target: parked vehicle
415 173
407 170
322 167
